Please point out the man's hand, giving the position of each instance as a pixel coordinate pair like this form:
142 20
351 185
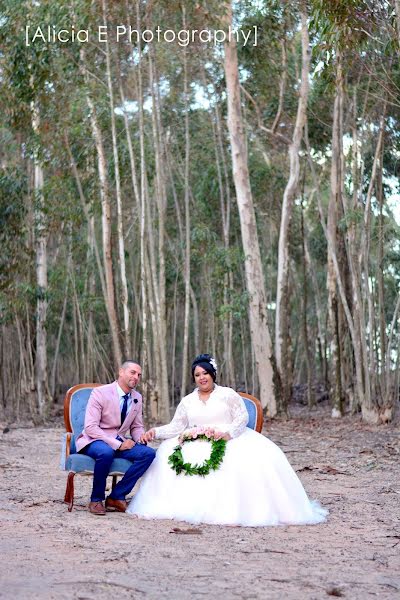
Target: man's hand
126 445
148 436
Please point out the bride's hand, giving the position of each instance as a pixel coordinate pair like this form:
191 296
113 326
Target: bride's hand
148 436
221 435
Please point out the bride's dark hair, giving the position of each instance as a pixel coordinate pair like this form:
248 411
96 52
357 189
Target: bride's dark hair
207 362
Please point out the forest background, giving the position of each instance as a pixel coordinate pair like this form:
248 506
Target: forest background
160 200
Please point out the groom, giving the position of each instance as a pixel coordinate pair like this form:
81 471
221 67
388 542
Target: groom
113 410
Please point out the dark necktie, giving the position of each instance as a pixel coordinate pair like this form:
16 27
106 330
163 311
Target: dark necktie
124 407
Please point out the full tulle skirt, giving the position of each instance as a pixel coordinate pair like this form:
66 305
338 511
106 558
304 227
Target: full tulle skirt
254 486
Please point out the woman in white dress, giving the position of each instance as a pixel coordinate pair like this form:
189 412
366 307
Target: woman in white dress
253 486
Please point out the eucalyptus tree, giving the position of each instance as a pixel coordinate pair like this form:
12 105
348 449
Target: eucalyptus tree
27 72
353 188
282 318
177 186
259 328
118 195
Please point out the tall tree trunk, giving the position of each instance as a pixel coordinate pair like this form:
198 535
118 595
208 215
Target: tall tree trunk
308 354
397 9
369 404
143 237
380 281
321 337
58 341
335 202
260 336
187 233
120 230
225 205
159 269
106 222
106 236
41 278
282 319
334 269
90 332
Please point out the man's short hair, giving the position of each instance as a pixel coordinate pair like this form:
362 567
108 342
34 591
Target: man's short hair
128 361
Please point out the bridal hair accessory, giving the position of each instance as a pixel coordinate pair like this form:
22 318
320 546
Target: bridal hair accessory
213 364
211 464
208 363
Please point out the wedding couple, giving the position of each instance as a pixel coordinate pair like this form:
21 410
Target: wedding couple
252 483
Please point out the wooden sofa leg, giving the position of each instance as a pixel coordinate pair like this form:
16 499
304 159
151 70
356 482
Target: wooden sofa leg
114 481
69 491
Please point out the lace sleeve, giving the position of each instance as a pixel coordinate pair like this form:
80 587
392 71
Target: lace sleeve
178 424
239 414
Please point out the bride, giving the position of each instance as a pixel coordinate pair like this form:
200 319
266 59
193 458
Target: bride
254 485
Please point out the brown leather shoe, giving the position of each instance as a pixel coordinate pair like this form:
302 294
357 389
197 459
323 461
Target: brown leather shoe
116 505
97 508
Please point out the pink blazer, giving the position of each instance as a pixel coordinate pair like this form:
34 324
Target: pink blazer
103 418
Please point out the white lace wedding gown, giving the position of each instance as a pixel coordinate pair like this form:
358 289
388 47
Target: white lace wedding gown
254 486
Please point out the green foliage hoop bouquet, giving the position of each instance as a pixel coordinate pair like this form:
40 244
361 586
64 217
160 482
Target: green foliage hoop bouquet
210 464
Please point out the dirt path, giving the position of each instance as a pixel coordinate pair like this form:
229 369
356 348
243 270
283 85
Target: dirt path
352 469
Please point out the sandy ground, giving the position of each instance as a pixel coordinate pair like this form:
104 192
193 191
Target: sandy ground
47 552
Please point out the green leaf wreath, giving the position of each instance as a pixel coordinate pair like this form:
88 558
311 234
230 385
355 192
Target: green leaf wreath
211 464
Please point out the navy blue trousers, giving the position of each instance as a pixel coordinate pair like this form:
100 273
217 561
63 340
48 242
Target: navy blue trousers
140 456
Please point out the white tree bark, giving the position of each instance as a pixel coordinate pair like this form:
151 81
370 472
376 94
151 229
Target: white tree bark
41 277
143 199
159 269
260 336
60 329
121 242
106 232
187 238
335 201
225 204
356 320
397 8
282 349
